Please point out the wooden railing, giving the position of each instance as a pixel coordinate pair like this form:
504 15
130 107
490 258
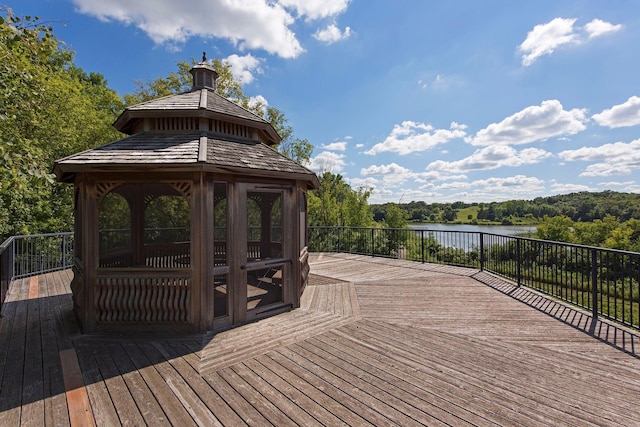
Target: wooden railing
123 297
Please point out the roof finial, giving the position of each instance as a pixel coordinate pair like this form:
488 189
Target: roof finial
204 56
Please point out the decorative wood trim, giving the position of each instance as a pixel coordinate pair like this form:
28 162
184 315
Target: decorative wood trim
305 268
202 149
229 128
142 299
176 123
184 188
104 188
203 99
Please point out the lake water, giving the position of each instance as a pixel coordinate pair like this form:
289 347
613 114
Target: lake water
469 241
507 230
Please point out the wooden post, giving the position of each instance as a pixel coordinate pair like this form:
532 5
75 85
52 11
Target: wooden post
90 254
237 259
198 252
290 240
206 258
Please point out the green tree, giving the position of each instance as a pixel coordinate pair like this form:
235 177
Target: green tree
396 217
49 108
228 86
335 203
557 228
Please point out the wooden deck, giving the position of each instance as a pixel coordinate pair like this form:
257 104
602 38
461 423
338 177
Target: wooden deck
376 342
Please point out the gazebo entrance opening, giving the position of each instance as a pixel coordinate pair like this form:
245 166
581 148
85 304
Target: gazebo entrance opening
260 270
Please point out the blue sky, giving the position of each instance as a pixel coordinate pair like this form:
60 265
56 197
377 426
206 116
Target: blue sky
439 101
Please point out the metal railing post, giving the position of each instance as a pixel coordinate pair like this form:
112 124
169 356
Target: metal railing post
422 244
12 261
594 284
519 260
373 253
481 251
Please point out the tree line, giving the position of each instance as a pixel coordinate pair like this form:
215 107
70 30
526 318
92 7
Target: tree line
50 108
579 207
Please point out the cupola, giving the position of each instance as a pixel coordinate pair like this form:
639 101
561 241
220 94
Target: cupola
204 75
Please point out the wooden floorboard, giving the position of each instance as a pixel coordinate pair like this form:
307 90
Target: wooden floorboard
375 342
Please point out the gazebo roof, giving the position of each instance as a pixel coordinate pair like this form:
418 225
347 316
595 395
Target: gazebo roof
151 150
203 102
196 130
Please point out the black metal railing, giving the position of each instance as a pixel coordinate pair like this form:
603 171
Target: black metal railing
23 256
603 281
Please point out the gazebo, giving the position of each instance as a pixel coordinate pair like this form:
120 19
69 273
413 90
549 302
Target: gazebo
193 222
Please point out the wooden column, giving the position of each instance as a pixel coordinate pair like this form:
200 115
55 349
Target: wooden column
202 252
289 244
237 246
90 256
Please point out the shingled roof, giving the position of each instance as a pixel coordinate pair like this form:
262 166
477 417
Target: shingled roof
153 150
201 101
198 101
194 130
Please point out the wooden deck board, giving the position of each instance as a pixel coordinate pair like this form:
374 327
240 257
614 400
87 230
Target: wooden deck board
375 342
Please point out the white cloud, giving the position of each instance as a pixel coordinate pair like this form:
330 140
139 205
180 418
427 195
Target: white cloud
603 152
491 189
492 157
249 24
243 67
316 9
534 123
335 146
626 114
259 100
327 161
366 183
569 188
618 158
482 190
390 169
332 34
410 137
544 39
507 182
617 184
391 175
598 27
441 82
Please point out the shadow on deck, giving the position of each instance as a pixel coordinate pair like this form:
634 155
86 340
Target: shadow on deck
376 342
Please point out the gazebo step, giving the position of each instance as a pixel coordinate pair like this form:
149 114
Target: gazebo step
326 307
